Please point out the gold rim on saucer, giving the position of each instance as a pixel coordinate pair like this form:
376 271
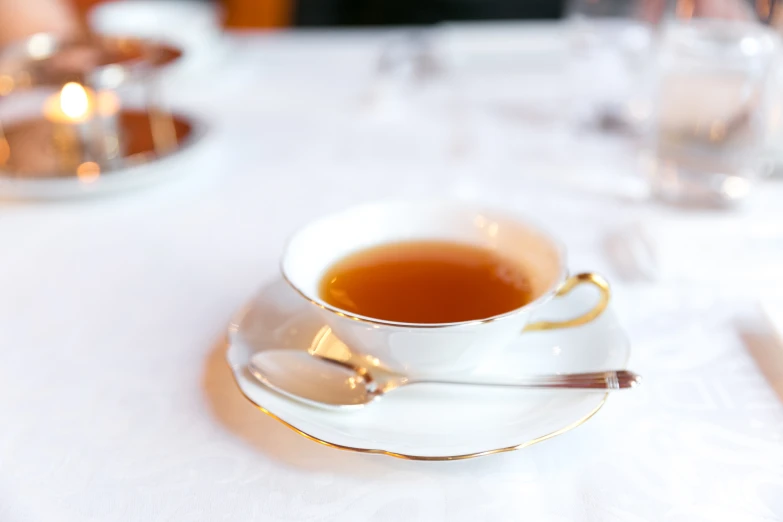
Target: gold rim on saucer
404 456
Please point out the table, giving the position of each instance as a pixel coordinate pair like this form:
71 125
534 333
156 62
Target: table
116 402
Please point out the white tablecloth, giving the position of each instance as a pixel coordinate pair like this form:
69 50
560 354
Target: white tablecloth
116 402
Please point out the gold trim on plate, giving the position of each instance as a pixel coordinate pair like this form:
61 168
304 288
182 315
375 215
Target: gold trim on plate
418 457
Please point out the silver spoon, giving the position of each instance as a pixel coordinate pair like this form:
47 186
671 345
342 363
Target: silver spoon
335 384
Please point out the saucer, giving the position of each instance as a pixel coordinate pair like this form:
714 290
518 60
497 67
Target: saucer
433 422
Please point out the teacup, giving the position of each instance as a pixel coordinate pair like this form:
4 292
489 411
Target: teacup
434 349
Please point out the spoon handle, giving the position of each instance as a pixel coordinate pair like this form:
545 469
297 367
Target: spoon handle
609 380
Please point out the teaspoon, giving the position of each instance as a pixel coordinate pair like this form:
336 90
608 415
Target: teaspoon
335 384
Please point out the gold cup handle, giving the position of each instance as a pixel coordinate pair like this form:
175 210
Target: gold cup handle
569 284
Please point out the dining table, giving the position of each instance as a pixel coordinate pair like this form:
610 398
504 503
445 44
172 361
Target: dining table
116 400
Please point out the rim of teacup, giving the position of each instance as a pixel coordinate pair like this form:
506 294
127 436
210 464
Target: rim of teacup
474 208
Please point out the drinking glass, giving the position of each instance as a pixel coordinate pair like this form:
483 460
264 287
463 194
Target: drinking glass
407 63
713 96
611 44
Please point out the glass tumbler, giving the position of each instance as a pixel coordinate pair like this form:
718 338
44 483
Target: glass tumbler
611 44
713 93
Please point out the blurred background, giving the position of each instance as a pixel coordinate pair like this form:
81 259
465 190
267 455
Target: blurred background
288 13
674 103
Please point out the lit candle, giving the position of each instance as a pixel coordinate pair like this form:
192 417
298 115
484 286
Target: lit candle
85 125
72 105
69 111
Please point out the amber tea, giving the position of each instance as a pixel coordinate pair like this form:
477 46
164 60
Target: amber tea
426 282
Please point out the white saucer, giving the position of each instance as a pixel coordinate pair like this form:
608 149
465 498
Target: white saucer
429 422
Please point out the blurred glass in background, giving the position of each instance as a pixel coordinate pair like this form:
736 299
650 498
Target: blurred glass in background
611 49
714 94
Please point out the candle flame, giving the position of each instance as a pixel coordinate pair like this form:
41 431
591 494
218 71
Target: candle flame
74 101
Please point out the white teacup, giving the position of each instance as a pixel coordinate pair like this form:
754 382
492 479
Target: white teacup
433 349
